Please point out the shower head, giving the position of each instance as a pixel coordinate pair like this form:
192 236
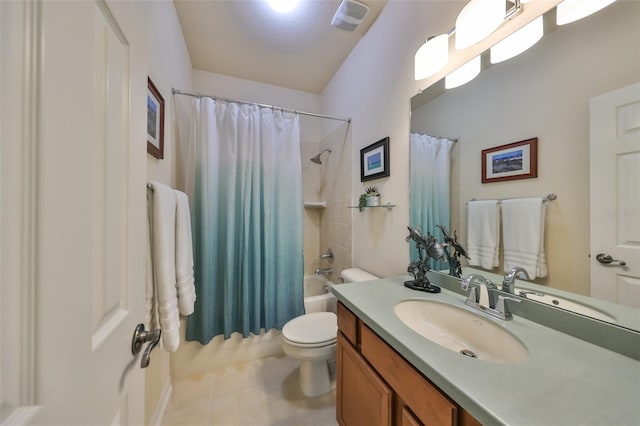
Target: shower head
316 158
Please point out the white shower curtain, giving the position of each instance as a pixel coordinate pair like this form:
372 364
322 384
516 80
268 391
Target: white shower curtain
243 175
429 175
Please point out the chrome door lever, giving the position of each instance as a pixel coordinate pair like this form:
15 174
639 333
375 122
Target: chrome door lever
607 259
140 337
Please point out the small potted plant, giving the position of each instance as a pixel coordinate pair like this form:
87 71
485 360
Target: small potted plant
372 196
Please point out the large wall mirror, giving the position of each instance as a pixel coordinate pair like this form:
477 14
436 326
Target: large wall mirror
543 93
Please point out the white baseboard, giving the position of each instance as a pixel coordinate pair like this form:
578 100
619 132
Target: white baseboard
158 413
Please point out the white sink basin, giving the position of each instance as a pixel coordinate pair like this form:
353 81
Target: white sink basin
568 305
461 331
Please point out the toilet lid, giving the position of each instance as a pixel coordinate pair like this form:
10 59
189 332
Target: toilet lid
317 327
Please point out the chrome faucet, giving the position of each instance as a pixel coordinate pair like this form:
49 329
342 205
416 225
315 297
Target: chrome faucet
508 283
476 285
523 293
328 255
323 271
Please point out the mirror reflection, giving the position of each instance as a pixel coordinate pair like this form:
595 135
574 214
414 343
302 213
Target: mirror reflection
546 93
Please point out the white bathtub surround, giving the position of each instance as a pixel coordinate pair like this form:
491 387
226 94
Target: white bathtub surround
317 295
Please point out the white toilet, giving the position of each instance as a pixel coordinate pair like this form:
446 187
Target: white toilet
311 339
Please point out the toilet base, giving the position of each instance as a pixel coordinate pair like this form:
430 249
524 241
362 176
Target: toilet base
314 377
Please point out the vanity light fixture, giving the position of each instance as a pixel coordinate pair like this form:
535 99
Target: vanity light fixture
572 10
464 74
477 20
518 42
431 57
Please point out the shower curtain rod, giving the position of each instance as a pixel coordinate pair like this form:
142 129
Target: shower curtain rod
454 140
312 114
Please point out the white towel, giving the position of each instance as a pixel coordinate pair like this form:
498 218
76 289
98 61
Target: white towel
163 258
184 256
151 312
483 233
523 235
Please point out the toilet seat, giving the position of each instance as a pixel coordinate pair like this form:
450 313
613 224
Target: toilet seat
312 330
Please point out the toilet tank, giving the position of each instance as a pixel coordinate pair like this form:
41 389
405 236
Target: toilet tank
354 275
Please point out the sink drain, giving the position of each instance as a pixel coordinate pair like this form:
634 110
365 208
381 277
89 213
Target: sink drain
467 352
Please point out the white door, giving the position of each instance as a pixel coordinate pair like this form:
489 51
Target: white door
82 190
615 196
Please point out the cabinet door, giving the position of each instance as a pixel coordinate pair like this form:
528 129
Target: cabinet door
428 403
363 398
408 419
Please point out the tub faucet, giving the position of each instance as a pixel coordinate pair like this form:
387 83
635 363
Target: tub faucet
328 255
323 271
508 283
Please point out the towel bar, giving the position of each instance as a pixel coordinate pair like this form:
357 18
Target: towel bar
548 197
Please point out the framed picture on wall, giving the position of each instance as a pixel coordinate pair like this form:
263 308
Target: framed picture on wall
155 121
518 160
374 160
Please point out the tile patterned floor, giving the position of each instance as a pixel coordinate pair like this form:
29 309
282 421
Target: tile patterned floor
264 392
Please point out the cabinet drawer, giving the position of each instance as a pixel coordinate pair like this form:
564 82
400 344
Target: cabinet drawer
347 323
428 404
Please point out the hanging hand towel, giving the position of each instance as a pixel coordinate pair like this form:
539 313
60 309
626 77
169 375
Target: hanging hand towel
523 234
483 233
184 256
151 320
163 256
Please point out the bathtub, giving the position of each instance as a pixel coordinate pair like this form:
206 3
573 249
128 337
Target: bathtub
317 295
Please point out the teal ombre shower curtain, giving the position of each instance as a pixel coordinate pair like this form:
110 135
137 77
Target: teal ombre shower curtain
429 170
243 174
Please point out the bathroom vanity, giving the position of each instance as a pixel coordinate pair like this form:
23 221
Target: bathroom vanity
390 374
377 386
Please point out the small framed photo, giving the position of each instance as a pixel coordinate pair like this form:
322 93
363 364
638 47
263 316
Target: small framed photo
374 160
155 121
518 160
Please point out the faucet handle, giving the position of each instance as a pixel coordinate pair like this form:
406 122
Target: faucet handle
523 293
503 308
469 281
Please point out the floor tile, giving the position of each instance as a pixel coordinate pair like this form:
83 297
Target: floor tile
262 392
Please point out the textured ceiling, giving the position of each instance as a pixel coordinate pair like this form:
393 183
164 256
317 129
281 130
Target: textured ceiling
246 39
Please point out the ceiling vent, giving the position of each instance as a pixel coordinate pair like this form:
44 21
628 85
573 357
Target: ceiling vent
349 15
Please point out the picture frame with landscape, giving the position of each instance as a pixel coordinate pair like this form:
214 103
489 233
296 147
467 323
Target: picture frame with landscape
374 160
518 160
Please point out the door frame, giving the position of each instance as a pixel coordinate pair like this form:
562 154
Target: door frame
18 203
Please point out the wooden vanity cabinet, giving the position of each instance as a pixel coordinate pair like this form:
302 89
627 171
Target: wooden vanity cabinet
377 386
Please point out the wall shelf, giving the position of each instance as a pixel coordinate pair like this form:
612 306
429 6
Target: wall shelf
387 206
315 204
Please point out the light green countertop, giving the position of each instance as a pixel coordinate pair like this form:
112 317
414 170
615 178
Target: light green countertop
565 381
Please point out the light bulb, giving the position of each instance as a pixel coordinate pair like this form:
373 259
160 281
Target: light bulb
432 56
572 10
477 20
518 42
464 74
